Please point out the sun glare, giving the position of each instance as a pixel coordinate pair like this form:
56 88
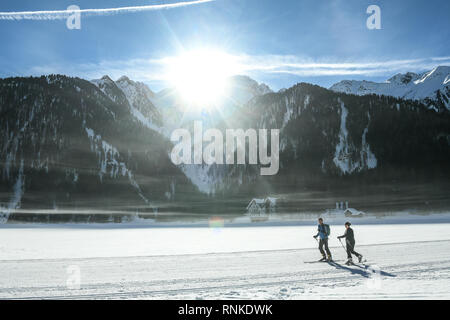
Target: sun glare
201 76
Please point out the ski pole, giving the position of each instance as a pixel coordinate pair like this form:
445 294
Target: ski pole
342 245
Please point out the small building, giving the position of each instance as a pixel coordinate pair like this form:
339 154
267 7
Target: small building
351 212
342 208
260 209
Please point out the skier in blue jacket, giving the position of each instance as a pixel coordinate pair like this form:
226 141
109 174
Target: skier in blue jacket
323 231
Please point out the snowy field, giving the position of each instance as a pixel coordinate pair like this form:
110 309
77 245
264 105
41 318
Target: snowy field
406 260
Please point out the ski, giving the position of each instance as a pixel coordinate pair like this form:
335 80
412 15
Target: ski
362 263
318 261
358 264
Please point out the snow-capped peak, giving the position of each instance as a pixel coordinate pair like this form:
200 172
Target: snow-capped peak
432 87
138 96
123 78
438 73
403 78
133 89
105 80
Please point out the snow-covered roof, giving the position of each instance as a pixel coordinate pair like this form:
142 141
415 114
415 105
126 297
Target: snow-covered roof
259 202
353 211
255 200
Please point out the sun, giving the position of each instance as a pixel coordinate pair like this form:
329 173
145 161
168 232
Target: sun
201 76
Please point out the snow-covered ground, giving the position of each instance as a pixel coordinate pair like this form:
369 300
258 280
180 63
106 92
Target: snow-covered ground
407 259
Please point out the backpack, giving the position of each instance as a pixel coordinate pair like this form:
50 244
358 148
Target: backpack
327 229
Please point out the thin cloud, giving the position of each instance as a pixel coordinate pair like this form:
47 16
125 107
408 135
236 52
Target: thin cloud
155 70
308 67
64 14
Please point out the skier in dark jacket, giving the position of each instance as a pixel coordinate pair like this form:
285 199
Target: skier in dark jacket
323 230
350 242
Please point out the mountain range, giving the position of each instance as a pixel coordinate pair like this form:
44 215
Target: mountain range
431 87
78 150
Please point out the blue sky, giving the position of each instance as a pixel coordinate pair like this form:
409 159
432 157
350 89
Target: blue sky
282 42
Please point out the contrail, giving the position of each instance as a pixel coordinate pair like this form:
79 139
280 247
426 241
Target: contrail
64 14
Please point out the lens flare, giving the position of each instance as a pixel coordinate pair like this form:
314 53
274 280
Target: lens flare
201 76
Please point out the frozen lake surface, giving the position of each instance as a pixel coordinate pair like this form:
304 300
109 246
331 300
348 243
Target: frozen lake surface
405 261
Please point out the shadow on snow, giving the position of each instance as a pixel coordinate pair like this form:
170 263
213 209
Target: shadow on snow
365 271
